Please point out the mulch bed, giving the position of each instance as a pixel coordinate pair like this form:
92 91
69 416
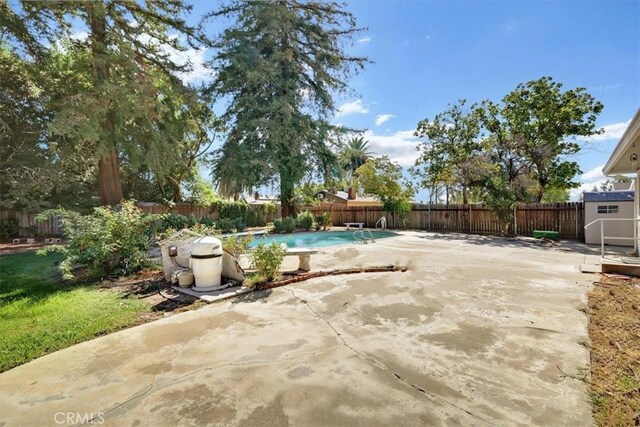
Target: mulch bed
614 310
150 286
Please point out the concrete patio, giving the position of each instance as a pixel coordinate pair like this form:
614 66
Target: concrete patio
479 331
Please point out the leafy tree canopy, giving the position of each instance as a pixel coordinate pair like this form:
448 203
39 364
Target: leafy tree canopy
116 102
278 66
383 178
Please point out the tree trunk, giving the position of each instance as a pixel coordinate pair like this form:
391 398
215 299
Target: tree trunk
108 167
327 174
464 194
175 190
286 195
109 177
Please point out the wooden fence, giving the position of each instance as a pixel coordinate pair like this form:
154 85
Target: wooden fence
28 226
566 218
185 209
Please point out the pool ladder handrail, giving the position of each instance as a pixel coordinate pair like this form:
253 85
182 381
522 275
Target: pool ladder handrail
383 223
359 236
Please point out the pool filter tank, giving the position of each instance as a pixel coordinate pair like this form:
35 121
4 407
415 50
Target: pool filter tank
206 264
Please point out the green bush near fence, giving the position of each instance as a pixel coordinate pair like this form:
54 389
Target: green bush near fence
9 228
304 220
284 225
323 221
260 215
107 242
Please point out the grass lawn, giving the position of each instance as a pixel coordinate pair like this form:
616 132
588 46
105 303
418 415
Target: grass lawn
39 313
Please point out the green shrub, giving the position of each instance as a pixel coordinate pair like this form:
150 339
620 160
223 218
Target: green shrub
239 224
225 226
204 230
209 222
9 228
192 221
267 259
304 220
284 225
154 225
229 209
323 221
236 245
106 242
261 215
176 221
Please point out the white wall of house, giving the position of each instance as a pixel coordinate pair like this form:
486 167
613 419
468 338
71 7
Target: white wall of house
636 204
609 210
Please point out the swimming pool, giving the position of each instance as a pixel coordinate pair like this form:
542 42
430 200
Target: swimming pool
317 239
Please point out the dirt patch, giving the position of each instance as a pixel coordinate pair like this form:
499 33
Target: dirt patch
614 329
150 286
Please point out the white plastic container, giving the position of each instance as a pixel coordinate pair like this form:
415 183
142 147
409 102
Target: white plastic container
206 264
185 279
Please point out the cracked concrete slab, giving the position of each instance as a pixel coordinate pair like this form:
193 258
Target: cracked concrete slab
479 331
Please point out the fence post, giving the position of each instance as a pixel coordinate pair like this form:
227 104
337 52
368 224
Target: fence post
577 222
515 220
470 217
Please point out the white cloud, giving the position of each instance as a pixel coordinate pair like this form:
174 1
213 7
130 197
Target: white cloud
349 108
381 118
365 40
605 87
427 38
400 146
590 179
79 36
593 175
612 131
194 58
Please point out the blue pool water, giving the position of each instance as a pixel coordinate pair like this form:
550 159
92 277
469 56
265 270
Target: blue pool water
317 239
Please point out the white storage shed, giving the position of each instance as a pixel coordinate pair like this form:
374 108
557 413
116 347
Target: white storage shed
609 205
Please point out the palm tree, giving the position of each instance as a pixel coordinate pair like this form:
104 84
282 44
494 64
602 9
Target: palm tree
355 153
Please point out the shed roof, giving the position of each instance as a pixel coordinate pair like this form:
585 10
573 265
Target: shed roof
343 195
609 196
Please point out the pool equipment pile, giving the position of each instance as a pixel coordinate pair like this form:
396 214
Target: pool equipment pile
206 264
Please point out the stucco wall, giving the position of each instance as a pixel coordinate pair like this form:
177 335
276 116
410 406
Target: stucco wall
611 228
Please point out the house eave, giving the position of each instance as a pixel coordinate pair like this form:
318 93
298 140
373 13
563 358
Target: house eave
617 162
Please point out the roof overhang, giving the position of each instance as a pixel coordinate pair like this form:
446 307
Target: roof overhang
628 149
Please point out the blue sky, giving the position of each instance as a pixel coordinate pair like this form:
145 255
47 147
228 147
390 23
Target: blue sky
431 53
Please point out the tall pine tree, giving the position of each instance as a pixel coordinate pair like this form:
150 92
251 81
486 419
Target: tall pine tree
118 100
279 65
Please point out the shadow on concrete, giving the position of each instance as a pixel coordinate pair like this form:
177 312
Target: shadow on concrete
511 242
